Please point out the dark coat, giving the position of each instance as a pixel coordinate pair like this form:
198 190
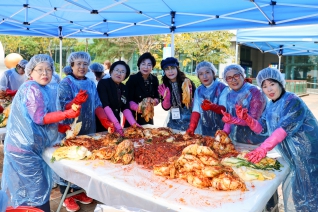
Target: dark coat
108 93
137 92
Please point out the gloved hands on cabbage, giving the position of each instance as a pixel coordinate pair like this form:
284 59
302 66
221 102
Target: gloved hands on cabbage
260 152
101 115
276 137
194 120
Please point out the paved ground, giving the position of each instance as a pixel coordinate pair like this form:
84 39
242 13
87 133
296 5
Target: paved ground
160 116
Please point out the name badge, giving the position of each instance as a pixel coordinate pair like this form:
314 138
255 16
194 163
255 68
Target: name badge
175 113
123 99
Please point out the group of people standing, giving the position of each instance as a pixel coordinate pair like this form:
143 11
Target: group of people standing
267 115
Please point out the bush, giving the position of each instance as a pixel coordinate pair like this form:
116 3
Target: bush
194 79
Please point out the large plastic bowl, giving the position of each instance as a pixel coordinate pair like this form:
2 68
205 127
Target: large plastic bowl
23 209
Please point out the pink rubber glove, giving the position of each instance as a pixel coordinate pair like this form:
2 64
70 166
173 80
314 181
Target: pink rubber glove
165 93
227 118
110 115
254 125
227 128
260 152
130 118
134 106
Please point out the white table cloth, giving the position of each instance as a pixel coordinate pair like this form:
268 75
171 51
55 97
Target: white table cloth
133 186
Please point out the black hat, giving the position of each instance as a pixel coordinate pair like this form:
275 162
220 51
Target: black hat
169 61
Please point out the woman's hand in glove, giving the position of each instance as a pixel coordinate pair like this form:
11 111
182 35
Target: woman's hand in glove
119 129
207 105
260 152
62 128
81 97
227 118
253 124
11 92
256 155
164 91
70 113
241 112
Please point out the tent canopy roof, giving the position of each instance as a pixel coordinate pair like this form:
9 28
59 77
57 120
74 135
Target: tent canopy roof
119 18
296 40
285 48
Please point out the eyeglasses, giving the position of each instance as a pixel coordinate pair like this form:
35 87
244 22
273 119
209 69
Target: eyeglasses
20 67
119 72
146 65
79 64
235 76
41 71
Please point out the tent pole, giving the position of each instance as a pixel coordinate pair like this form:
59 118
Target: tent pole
61 38
236 52
61 57
172 29
172 44
26 13
279 61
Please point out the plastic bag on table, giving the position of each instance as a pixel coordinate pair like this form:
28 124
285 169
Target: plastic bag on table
117 208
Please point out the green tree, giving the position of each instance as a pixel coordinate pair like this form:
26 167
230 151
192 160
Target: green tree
214 46
124 47
10 44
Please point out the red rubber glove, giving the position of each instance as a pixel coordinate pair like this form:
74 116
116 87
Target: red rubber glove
227 118
58 116
1 109
101 115
249 80
253 124
11 92
194 120
62 128
79 99
207 105
260 152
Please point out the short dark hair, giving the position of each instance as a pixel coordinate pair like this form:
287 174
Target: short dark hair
145 56
98 74
120 62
